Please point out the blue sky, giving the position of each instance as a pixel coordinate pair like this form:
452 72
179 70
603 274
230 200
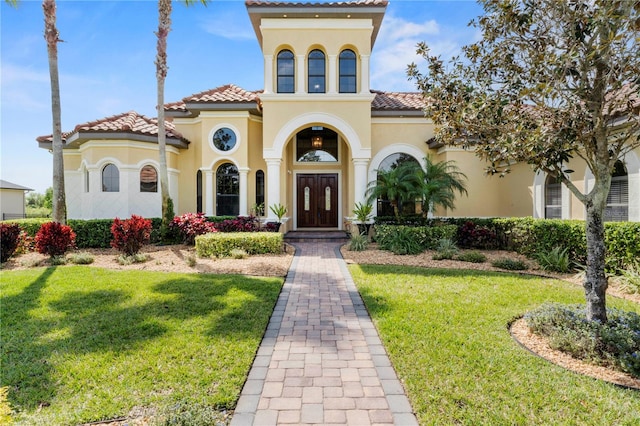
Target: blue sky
106 62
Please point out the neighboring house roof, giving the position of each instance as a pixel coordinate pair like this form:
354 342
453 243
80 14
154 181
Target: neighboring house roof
8 185
129 125
399 103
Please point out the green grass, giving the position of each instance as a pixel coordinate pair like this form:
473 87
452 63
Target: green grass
445 332
87 344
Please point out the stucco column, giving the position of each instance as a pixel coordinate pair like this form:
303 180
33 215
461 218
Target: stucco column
244 190
360 179
268 73
333 74
364 71
300 74
209 190
273 186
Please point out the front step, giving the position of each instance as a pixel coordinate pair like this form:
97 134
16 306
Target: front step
316 237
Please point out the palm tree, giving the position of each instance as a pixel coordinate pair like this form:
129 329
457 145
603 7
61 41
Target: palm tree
398 184
51 35
164 27
439 182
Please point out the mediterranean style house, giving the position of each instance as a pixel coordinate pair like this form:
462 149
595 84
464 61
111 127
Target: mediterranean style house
311 140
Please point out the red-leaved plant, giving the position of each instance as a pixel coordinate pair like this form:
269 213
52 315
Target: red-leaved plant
54 239
191 225
9 240
130 235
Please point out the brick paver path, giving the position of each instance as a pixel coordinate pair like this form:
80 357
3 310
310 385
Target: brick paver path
321 360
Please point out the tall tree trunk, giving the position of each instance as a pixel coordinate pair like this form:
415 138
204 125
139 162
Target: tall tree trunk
164 26
51 34
595 283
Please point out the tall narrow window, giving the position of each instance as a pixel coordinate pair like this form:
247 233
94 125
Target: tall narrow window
148 179
260 188
347 67
227 190
110 178
316 71
552 198
286 72
86 180
618 198
199 191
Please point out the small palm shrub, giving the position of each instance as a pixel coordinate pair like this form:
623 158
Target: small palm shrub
447 249
630 279
54 239
472 257
403 241
9 240
190 225
556 260
614 344
358 242
130 235
509 264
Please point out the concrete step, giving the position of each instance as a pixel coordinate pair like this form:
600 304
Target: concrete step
316 236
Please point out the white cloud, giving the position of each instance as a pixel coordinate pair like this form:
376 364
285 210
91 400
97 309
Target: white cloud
228 25
396 45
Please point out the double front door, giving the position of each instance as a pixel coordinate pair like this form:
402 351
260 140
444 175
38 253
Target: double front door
317 200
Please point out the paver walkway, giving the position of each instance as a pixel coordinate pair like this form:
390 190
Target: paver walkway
321 360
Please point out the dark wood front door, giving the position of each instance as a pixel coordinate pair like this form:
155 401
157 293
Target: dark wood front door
317 205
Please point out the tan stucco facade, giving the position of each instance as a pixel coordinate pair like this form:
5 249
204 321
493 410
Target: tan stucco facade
271 127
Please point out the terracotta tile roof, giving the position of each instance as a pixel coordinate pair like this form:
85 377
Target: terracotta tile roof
229 93
129 122
397 101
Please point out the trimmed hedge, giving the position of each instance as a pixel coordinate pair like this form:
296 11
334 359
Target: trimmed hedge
220 244
426 236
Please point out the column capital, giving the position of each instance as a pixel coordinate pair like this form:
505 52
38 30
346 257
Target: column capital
273 161
243 170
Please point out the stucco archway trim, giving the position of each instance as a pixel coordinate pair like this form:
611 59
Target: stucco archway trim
397 148
304 120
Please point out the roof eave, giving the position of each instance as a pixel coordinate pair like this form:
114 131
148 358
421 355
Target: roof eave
81 137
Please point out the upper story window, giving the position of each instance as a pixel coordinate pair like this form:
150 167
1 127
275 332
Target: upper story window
347 65
316 70
618 199
224 139
148 179
286 72
110 178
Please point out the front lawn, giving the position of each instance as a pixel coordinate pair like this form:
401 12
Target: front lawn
81 344
445 332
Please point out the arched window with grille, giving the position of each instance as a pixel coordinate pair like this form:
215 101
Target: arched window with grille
148 179
227 190
384 206
286 72
347 71
618 198
552 198
316 71
110 178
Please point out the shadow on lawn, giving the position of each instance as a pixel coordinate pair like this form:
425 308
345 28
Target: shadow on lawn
100 320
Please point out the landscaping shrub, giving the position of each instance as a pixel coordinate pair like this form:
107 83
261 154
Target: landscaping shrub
271 227
622 240
82 258
30 226
427 237
26 243
238 254
509 264
54 239
615 343
93 233
556 260
471 235
240 224
220 244
358 243
130 235
447 249
190 225
400 240
9 240
629 278
472 256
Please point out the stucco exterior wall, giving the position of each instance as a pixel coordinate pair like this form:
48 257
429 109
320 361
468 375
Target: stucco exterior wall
11 203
